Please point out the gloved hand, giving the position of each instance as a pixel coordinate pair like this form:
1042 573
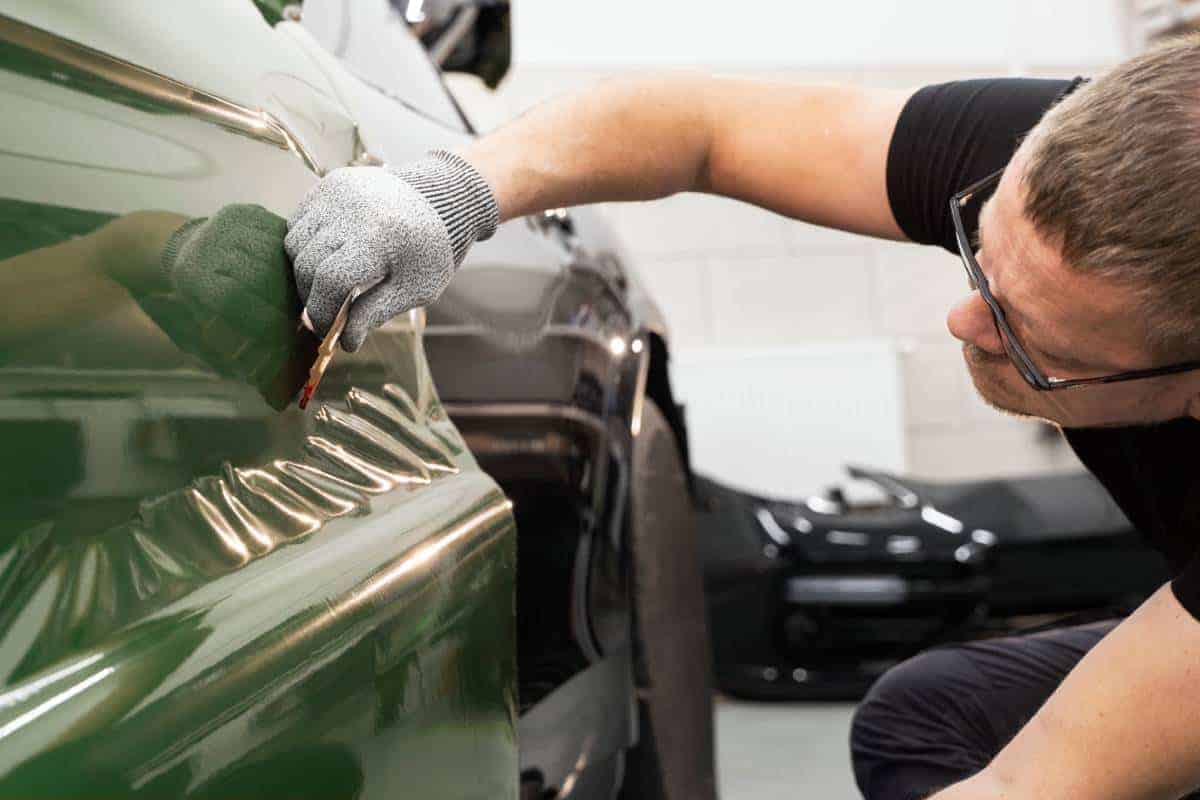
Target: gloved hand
409 227
226 295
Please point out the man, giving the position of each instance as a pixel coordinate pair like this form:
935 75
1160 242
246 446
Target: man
1085 251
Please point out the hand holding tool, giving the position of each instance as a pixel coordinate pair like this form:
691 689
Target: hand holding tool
329 345
406 229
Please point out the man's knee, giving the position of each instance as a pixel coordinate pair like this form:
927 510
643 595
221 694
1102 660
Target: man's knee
905 695
914 730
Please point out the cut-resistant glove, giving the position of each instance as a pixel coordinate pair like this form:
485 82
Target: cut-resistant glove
228 297
405 229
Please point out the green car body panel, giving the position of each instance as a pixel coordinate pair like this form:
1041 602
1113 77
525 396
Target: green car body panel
204 591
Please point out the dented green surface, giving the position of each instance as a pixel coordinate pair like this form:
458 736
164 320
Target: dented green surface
205 592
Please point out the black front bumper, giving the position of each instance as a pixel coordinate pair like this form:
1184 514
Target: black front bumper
815 599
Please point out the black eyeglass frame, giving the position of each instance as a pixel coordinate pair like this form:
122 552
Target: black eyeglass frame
1034 376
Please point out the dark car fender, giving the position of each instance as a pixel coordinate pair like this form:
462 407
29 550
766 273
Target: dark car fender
544 349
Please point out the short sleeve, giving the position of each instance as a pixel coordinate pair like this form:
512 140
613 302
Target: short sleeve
1186 586
950 135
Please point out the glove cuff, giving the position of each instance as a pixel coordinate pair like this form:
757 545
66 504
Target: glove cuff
171 252
461 197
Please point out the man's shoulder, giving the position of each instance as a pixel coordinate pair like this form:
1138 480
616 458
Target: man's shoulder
951 134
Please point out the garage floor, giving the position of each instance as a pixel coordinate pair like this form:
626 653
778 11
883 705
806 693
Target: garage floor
770 752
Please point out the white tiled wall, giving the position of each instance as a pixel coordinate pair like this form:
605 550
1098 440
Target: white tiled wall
731 275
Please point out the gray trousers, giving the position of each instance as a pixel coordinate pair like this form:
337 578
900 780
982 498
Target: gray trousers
941 716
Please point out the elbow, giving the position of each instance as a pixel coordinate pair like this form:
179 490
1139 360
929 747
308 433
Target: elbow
988 784
675 107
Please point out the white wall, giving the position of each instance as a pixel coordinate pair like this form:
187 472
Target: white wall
730 275
799 33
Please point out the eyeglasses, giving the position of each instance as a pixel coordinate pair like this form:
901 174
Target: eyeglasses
1032 374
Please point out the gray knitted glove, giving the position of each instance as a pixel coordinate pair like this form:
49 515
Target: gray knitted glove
409 227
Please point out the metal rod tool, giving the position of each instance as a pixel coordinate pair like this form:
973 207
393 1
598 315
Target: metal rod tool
329 344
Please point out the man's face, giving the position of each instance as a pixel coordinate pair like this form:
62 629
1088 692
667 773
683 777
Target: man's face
1073 325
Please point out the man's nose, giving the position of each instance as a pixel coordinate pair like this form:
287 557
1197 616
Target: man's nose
970 321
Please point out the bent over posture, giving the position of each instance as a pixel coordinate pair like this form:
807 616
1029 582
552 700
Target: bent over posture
1075 207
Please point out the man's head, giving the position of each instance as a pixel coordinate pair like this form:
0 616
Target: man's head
1091 244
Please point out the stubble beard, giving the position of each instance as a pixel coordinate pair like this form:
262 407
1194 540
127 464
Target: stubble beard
986 377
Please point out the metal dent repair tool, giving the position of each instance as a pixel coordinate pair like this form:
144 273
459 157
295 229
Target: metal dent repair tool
330 342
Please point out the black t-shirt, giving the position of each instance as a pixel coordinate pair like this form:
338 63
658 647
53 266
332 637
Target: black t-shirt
953 134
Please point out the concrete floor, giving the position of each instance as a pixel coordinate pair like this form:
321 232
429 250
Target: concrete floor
775 751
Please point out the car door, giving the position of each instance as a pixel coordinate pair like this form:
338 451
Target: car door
205 591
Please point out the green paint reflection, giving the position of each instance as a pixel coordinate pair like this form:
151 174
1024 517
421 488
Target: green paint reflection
220 288
127 346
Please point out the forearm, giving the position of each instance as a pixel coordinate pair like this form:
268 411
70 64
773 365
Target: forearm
52 286
810 151
1121 726
81 278
623 139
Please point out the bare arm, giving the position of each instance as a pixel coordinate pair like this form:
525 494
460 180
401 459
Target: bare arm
813 152
1122 726
78 279
818 153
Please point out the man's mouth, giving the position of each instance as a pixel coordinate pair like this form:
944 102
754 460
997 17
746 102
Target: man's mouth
989 384
978 357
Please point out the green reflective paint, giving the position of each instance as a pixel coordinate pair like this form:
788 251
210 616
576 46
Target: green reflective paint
205 592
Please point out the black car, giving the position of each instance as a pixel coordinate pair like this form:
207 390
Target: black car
815 598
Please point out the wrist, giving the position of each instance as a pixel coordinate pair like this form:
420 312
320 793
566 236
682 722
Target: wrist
132 245
458 193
